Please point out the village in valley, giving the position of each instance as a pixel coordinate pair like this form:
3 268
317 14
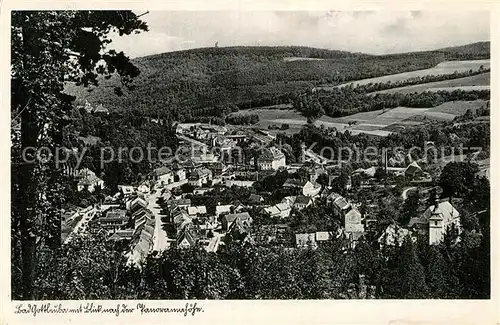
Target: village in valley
178 204
301 168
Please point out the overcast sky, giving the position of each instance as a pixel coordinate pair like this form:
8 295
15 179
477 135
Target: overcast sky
376 32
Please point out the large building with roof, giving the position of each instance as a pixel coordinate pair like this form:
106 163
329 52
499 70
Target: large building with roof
141 240
271 159
240 218
113 219
435 221
163 175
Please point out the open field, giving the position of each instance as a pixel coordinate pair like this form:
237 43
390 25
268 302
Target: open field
296 58
380 122
447 67
481 80
458 107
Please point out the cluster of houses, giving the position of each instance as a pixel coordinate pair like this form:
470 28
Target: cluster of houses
130 221
194 226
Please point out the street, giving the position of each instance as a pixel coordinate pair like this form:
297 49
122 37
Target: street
160 239
81 226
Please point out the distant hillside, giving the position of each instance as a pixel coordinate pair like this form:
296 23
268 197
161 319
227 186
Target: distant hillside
186 83
474 51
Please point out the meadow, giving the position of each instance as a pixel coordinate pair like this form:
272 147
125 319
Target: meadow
447 67
480 80
380 122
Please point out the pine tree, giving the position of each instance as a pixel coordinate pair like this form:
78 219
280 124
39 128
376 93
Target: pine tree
437 274
405 277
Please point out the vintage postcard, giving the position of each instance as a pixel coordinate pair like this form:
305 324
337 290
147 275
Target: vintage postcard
312 163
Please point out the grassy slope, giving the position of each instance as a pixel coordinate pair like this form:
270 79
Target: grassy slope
477 80
442 68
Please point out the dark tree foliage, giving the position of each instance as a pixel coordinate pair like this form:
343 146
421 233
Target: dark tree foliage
242 119
457 179
405 275
337 102
48 49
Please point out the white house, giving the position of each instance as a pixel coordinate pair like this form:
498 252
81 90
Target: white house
311 189
352 220
306 240
126 190
282 209
222 209
271 159
200 177
163 175
436 220
144 187
302 202
196 210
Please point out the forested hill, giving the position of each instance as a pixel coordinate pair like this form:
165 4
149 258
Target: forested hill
479 50
175 83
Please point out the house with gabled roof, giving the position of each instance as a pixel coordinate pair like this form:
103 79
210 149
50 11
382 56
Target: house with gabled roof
136 203
303 187
181 203
413 171
280 210
255 199
163 175
121 235
144 187
340 204
113 219
109 203
323 236
141 241
307 240
200 177
100 109
243 218
223 209
302 202
186 239
353 221
197 210
271 159
435 221
126 190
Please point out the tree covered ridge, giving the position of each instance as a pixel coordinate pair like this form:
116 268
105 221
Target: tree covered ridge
205 77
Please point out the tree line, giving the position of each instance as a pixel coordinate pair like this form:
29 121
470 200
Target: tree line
378 86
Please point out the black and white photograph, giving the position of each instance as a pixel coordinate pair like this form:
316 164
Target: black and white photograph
249 155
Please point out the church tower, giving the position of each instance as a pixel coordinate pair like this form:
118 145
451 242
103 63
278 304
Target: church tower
436 225
302 152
